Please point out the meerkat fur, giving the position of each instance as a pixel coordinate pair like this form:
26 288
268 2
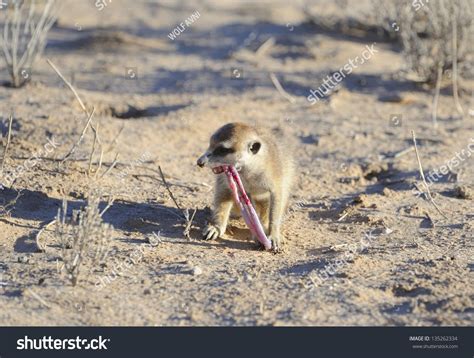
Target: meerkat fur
266 167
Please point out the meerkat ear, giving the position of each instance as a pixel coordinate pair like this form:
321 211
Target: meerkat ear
254 147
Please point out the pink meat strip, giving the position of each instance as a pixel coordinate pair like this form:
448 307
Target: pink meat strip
246 207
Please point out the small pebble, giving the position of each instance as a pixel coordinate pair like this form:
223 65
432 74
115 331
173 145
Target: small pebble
197 271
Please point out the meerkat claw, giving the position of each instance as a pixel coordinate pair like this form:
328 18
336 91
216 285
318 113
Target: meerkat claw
211 233
276 243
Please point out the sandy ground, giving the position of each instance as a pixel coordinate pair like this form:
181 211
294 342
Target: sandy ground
361 248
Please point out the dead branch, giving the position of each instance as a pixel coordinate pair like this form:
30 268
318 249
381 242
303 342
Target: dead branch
455 66
268 44
280 89
420 167
67 84
99 165
71 151
113 145
39 245
403 152
10 121
73 90
169 191
398 154
37 297
112 166
109 204
92 151
188 221
434 112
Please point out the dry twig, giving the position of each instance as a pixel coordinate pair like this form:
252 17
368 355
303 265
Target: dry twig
67 84
10 121
110 202
37 297
73 148
268 44
169 190
99 164
81 103
434 112
185 213
113 145
403 152
280 88
39 245
420 167
112 166
398 154
455 66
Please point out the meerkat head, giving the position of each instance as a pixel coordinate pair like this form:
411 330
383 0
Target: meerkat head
234 144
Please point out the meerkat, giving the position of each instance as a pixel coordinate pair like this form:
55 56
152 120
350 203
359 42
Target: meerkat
266 168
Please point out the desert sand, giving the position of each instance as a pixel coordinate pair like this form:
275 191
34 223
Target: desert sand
361 247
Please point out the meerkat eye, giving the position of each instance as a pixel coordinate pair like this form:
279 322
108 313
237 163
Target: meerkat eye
221 151
255 147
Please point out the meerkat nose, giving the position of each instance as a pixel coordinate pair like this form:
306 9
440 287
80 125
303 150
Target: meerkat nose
202 161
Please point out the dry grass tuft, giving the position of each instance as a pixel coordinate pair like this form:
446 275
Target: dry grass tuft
25 28
84 238
433 33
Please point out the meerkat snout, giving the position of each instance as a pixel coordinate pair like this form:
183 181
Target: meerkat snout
266 167
202 160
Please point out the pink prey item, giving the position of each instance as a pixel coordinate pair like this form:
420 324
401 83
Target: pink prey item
243 201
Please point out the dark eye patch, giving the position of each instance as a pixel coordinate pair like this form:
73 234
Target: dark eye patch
221 151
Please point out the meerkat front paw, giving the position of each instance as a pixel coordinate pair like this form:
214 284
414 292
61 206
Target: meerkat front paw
276 242
211 232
